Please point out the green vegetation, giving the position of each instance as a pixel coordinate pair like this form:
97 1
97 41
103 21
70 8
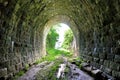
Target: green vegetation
51 38
20 73
68 39
49 72
77 61
53 54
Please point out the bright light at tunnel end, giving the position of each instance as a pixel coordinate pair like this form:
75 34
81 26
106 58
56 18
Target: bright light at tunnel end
62 28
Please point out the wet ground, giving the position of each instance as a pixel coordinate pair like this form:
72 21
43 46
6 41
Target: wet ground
74 72
77 74
30 74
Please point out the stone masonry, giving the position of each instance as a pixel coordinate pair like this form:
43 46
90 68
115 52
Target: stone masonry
95 23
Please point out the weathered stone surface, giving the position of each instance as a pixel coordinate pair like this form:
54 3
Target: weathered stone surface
95 72
114 66
84 64
94 64
11 69
95 55
110 57
101 62
108 70
102 67
3 72
18 67
95 24
117 58
107 63
90 53
116 74
102 55
90 58
96 60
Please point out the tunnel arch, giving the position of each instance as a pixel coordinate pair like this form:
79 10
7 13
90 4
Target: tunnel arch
25 21
60 19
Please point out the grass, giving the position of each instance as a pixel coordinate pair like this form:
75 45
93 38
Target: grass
49 73
52 54
20 73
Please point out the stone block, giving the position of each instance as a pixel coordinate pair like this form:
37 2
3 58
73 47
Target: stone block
117 58
117 50
25 59
90 58
94 64
116 74
90 53
10 76
4 64
106 63
15 61
114 66
18 66
85 58
11 69
101 61
3 72
110 57
12 62
102 67
108 70
95 55
97 65
102 55
96 60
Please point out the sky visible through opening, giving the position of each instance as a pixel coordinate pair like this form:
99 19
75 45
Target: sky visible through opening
61 29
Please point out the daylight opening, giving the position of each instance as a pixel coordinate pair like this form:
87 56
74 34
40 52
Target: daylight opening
60 40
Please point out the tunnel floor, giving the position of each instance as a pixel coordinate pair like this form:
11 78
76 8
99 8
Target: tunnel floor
74 72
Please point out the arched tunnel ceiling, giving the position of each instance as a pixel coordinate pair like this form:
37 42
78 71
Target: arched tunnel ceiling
88 15
22 24
38 12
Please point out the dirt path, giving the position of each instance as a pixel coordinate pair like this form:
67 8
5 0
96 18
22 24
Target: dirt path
30 74
77 74
74 73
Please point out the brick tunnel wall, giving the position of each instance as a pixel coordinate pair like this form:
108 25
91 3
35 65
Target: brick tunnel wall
18 49
20 40
102 49
22 22
100 41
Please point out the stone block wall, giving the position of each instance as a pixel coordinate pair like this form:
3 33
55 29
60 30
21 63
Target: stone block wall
104 54
22 23
18 50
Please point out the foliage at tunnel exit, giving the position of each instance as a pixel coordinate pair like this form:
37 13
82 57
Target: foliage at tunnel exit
51 38
68 39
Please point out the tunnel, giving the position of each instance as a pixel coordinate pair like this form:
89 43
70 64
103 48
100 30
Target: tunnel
24 25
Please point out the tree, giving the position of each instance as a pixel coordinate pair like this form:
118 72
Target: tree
52 38
68 38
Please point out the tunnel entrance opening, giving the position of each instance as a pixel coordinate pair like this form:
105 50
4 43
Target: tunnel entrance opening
57 20
60 41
